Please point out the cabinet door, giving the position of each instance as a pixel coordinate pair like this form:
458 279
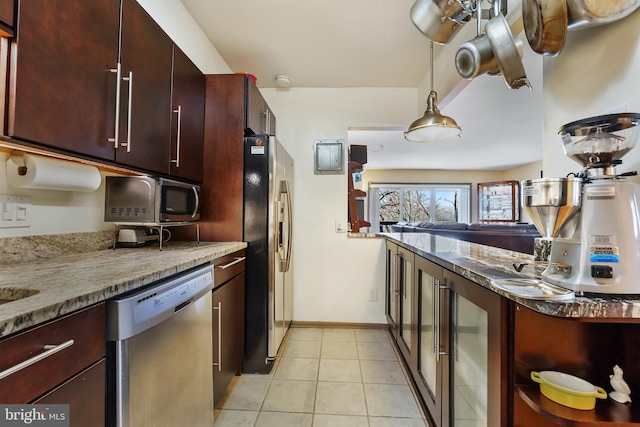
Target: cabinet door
62 87
407 325
85 395
433 359
256 109
478 354
145 110
270 121
228 335
187 124
78 340
6 17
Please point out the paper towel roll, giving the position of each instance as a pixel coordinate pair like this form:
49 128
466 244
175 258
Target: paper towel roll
47 173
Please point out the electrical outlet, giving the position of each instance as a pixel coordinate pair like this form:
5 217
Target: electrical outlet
373 295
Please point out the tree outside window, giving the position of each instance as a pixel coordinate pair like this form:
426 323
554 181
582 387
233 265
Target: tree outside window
412 203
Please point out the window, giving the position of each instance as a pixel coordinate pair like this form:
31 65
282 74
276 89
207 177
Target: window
392 203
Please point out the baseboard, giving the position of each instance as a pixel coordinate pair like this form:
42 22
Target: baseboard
303 324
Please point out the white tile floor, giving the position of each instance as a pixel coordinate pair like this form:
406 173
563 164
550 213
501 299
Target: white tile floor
325 377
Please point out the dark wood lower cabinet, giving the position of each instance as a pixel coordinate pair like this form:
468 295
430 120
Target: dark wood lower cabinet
228 321
84 394
71 369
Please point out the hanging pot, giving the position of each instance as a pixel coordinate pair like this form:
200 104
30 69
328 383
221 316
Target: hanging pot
545 24
475 57
507 51
433 22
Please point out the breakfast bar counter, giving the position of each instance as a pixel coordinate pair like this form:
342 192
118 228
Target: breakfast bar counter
482 264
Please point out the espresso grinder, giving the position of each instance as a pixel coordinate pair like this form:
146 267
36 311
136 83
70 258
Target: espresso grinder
592 217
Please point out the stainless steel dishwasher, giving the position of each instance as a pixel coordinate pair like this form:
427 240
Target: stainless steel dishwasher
159 354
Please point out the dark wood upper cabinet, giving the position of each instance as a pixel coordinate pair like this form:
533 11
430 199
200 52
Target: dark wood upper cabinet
259 118
145 54
100 79
187 105
7 17
62 85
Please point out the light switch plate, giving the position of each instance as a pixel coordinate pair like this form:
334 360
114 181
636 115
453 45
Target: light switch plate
15 211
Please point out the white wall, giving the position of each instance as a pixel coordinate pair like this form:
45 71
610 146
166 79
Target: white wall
333 273
56 212
176 21
596 73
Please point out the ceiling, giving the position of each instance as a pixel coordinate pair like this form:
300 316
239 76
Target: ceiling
373 43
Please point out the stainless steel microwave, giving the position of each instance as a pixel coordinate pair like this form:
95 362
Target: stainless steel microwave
148 200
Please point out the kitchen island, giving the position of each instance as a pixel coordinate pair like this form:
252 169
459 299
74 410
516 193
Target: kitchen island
61 285
470 347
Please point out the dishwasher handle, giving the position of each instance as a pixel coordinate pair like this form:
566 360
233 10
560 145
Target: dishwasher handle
183 305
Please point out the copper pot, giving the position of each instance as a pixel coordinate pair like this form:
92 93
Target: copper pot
545 24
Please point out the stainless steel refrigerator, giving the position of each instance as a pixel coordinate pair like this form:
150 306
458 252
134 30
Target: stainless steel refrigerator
268 185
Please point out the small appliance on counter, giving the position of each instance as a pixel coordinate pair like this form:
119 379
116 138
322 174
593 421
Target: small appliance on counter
150 200
142 207
138 236
592 217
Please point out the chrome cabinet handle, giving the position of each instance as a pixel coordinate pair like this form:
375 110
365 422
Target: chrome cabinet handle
130 103
439 353
434 321
50 350
267 122
179 131
456 336
219 308
118 71
234 262
436 301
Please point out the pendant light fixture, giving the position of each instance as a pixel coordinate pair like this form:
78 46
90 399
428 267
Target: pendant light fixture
433 126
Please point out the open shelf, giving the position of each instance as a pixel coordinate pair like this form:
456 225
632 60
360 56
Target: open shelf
606 412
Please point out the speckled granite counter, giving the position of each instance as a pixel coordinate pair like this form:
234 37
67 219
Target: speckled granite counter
481 264
67 283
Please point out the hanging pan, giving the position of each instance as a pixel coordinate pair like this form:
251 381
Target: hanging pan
545 24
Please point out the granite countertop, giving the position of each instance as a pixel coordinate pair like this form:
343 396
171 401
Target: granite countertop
482 264
70 282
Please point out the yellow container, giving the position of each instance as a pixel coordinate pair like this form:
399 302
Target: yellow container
568 390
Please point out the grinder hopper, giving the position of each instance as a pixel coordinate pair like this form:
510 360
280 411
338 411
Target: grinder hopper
553 204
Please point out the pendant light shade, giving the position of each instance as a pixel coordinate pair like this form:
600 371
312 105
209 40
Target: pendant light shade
433 126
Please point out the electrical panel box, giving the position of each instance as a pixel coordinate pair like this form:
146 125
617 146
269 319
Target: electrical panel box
328 156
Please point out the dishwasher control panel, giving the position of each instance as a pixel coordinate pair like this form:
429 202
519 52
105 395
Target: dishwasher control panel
157 301
142 310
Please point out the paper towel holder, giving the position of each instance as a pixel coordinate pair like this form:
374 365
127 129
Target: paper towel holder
18 159
42 172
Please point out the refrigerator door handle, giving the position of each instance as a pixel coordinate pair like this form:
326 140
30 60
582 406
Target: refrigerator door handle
287 191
